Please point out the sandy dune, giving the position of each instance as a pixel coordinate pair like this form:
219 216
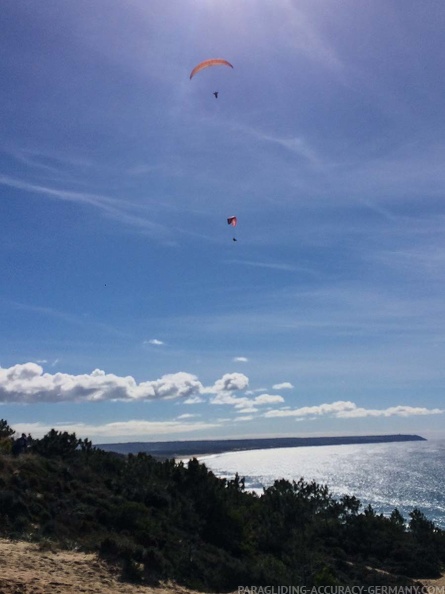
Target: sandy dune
25 569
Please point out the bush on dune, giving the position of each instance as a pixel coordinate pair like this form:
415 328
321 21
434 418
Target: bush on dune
163 520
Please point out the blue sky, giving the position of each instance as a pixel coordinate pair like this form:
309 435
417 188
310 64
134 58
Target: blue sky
127 312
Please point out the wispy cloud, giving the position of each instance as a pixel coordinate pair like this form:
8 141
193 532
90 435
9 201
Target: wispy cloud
46 160
271 265
154 342
243 403
348 410
122 210
103 202
134 429
411 172
303 34
194 400
283 386
296 145
334 309
77 320
43 361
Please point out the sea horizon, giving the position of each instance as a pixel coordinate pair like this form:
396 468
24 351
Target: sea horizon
194 447
402 475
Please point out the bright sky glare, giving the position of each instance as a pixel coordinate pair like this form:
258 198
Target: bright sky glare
127 311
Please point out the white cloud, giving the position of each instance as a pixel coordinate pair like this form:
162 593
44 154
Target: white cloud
392 411
268 399
154 341
243 404
240 359
230 382
256 391
283 386
246 409
28 383
228 398
321 409
136 429
194 400
346 409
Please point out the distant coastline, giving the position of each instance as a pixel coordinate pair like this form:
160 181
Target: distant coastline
181 449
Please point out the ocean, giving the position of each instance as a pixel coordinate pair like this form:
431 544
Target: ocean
386 475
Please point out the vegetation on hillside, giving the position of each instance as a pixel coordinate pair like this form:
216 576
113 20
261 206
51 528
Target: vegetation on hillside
165 520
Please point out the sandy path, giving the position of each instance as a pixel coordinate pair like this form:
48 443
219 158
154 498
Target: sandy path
439 582
25 569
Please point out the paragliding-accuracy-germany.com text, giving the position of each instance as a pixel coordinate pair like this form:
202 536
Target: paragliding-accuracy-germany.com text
341 589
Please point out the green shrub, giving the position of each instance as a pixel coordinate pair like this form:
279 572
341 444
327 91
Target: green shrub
160 520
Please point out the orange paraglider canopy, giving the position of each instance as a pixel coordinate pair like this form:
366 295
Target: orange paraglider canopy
232 221
207 63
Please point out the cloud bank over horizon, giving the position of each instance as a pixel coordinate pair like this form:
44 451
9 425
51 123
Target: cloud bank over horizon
27 383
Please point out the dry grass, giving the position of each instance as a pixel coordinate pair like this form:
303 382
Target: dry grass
27 569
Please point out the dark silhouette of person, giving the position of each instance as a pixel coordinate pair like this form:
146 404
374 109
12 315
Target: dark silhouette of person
216 94
20 445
